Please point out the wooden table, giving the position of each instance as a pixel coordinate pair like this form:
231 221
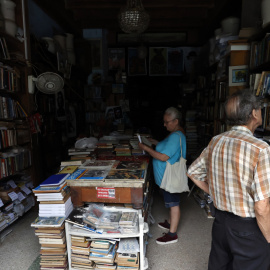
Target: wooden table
113 191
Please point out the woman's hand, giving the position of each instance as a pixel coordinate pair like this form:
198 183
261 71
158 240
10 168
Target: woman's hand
143 146
153 141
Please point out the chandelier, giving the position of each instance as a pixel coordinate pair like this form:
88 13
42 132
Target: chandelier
133 18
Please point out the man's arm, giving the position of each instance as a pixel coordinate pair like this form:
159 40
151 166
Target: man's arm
201 184
262 212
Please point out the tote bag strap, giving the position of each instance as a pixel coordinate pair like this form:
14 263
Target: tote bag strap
180 145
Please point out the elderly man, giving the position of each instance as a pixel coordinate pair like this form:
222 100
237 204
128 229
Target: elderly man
235 170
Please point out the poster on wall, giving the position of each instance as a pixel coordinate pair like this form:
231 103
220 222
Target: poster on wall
136 65
116 58
158 61
175 61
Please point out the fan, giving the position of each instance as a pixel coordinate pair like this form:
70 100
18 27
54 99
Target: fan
49 83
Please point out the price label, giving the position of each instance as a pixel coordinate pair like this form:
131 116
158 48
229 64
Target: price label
26 190
13 196
20 196
107 193
12 183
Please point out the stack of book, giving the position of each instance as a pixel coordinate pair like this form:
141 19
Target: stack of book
105 149
103 251
122 150
127 261
54 196
51 234
80 250
135 150
127 254
128 222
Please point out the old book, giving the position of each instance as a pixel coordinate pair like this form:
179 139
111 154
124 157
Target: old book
125 174
131 165
49 189
75 162
48 222
69 169
97 164
54 245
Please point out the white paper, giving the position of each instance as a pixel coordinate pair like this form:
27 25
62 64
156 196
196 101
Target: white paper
20 196
140 140
12 183
1 203
13 196
26 190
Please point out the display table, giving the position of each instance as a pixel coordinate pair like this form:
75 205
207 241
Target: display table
111 191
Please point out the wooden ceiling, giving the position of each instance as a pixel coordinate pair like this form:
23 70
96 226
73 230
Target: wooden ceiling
197 18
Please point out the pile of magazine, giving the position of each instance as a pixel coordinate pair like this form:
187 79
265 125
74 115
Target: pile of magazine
100 218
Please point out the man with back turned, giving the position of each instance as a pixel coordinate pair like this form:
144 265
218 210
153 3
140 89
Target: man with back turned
235 170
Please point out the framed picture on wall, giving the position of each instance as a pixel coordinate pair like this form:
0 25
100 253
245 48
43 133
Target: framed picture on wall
96 53
158 61
116 58
136 65
175 61
238 75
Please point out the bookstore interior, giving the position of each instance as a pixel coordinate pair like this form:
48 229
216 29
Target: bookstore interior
81 83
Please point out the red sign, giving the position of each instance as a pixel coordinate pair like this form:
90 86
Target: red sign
107 193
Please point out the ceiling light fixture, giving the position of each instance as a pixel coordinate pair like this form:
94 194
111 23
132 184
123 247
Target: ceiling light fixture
133 18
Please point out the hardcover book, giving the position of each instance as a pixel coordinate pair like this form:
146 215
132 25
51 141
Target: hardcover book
55 180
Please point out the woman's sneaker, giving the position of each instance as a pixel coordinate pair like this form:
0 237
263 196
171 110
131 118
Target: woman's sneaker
167 239
164 225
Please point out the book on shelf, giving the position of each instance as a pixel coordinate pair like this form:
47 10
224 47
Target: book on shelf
260 89
55 179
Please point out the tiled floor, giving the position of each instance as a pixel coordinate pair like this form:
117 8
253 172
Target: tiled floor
20 248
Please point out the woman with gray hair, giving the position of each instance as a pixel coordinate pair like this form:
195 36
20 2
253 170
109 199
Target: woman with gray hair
168 150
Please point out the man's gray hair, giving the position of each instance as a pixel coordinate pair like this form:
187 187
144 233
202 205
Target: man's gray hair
174 113
239 107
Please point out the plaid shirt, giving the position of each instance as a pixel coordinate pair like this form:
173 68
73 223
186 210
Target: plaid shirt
236 166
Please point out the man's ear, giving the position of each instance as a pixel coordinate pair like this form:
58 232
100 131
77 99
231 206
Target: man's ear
255 113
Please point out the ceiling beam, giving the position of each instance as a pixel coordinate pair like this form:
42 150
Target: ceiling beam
159 14
103 4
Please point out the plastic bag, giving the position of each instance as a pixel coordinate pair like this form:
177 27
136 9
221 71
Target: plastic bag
86 143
